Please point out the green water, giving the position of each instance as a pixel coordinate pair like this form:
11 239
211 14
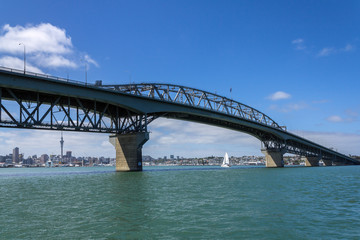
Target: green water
180 203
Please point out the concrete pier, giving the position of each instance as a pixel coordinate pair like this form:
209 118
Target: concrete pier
273 158
129 151
337 163
327 162
311 161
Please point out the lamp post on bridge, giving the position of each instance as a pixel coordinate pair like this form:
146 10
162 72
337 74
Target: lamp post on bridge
24 56
85 67
85 73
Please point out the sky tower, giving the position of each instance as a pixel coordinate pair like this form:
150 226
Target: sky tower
62 146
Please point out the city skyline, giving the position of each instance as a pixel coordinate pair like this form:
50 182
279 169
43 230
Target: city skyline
296 62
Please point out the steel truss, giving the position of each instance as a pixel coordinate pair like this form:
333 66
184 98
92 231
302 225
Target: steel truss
196 98
22 109
40 110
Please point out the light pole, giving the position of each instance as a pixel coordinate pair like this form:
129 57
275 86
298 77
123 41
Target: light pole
85 63
24 56
85 73
129 75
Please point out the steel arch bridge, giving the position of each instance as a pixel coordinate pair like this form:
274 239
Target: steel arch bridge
46 102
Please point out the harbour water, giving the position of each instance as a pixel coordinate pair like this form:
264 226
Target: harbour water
180 203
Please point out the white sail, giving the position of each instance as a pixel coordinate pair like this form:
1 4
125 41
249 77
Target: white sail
226 162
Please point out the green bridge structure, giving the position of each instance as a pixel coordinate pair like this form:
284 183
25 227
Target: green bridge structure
124 112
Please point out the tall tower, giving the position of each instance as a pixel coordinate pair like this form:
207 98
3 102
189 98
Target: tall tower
15 155
62 146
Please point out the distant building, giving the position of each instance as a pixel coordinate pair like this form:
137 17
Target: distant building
15 155
171 156
44 158
68 154
28 161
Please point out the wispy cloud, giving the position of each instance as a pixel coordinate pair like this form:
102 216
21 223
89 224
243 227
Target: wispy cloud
289 107
190 139
348 48
326 52
332 50
81 144
345 143
320 101
279 95
299 44
350 116
335 118
167 137
46 46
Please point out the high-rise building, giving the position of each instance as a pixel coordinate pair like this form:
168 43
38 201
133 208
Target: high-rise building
15 155
44 158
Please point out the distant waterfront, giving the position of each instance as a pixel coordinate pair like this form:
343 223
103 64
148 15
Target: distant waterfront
55 161
184 202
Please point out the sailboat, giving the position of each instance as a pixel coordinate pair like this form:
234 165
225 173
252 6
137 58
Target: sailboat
226 162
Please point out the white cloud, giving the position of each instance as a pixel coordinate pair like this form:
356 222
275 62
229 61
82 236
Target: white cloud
46 46
53 61
43 38
279 95
17 63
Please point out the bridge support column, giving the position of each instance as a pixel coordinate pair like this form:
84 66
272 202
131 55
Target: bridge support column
327 162
312 161
273 158
129 151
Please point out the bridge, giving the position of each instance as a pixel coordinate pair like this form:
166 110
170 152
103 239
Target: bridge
124 111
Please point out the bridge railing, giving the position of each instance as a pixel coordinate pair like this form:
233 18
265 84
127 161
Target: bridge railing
196 98
41 75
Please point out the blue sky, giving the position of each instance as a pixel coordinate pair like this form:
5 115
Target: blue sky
296 61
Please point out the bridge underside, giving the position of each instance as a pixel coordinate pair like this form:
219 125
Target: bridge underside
271 142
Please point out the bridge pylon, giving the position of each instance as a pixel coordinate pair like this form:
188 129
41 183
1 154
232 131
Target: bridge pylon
273 157
327 162
129 150
312 161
